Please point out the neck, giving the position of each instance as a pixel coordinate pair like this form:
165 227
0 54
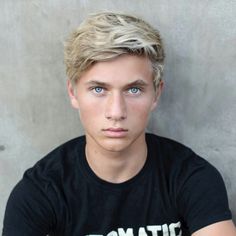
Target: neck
116 166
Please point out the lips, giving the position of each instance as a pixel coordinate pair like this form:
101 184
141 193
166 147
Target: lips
115 132
116 129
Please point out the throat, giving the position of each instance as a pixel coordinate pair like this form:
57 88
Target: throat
116 167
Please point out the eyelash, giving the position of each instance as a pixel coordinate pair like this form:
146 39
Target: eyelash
93 89
97 87
139 90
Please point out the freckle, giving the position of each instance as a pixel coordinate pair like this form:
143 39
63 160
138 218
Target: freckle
2 148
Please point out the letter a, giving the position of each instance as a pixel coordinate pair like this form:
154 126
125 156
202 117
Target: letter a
112 233
129 232
142 232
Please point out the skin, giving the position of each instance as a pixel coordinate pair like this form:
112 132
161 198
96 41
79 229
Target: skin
226 228
115 99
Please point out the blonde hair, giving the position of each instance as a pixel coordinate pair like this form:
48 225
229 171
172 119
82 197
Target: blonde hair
107 35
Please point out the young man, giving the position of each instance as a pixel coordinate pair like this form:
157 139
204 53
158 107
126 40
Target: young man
117 180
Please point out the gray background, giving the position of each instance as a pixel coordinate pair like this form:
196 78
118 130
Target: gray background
198 106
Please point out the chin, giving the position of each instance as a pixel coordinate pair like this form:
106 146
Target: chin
114 146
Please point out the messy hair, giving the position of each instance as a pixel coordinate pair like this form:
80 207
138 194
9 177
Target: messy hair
104 36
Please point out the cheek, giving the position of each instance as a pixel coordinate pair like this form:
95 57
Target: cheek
89 110
87 114
140 110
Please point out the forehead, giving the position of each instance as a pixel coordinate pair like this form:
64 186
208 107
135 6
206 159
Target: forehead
121 70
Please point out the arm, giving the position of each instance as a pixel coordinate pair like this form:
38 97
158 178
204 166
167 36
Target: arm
203 200
28 212
218 229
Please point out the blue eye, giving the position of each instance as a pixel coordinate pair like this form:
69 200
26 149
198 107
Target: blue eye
98 89
134 90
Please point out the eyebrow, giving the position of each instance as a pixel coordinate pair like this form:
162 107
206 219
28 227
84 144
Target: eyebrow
96 82
138 82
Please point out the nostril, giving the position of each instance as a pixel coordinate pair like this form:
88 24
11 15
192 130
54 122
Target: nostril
116 107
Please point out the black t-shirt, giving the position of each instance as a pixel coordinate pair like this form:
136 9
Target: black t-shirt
175 191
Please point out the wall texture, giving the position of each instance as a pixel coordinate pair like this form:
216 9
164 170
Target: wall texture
198 106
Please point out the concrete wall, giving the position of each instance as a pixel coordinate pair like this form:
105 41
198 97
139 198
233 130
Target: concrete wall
198 106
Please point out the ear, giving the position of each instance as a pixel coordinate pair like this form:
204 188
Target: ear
158 92
72 94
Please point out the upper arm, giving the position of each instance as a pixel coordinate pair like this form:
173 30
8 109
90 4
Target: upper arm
203 198
218 229
28 211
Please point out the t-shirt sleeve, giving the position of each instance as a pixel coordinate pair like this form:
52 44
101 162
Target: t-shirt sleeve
202 197
28 211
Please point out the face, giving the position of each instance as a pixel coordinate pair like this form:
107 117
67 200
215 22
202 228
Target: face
114 99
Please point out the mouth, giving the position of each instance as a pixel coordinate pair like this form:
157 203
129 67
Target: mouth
115 132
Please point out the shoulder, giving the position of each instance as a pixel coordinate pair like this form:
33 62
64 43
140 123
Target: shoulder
180 163
196 186
166 144
58 163
36 200
169 150
66 152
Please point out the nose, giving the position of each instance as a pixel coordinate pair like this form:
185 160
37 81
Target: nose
116 107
